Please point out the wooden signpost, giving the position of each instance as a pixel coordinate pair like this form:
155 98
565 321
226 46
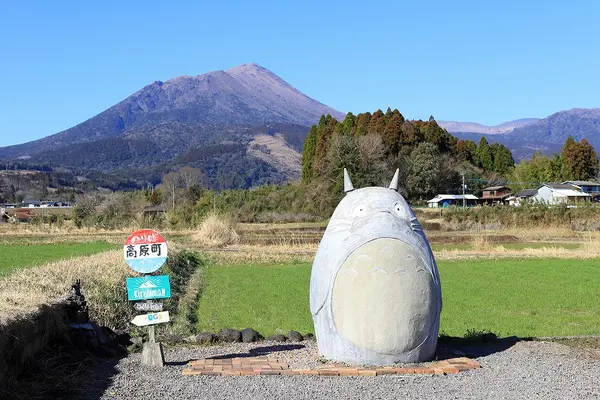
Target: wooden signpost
145 252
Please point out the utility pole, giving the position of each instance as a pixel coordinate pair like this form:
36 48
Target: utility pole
463 188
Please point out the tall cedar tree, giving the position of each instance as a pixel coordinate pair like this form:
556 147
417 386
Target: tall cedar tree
503 159
377 123
392 133
308 154
580 160
362 123
484 155
349 124
466 150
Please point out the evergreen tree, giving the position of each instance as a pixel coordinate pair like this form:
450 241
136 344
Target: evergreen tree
484 155
377 123
349 124
502 158
466 150
362 123
308 153
392 134
580 160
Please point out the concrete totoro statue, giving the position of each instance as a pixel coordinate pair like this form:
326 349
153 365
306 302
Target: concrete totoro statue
375 293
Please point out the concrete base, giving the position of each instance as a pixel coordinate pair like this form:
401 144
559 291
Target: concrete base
152 354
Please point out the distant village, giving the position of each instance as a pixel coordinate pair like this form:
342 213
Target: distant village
568 192
21 212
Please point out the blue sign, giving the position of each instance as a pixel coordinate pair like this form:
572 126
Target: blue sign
148 287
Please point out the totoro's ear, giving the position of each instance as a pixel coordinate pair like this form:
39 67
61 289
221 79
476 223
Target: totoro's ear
394 183
347 182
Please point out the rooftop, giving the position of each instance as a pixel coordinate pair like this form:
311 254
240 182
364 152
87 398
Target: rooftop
582 183
527 193
495 188
441 197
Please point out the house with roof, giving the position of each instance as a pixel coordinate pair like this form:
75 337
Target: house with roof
559 193
448 200
590 187
30 203
495 195
521 197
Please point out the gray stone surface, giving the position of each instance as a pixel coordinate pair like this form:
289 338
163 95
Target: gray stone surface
295 336
277 338
206 338
375 292
249 335
230 335
152 355
525 371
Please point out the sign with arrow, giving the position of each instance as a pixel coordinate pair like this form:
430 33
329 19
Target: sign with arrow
148 306
148 287
151 319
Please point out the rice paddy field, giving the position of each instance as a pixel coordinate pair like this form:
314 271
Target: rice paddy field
23 254
520 297
543 284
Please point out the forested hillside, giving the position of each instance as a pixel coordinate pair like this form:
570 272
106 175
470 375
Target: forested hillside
372 146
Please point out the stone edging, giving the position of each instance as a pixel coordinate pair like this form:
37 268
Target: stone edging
246 366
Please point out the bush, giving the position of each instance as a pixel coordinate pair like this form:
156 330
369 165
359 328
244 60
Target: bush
216 231
527 215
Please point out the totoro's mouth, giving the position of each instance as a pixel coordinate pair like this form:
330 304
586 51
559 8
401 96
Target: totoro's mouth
383 297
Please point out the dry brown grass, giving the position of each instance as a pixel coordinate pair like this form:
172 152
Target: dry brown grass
103 284
240 253
216 231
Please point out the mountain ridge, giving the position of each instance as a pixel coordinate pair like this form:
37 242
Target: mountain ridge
246 95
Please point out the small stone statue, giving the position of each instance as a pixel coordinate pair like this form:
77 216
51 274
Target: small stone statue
77 309
375 293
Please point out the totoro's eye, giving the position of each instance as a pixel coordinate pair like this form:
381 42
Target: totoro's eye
359 210
400 210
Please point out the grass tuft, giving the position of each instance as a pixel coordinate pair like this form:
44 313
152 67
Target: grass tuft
216 231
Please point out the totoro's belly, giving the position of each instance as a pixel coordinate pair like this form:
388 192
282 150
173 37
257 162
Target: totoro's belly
383 297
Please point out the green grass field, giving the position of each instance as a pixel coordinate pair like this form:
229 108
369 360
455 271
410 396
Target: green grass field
17 255
534 297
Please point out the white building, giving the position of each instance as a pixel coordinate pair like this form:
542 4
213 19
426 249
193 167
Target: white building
553 194
447 200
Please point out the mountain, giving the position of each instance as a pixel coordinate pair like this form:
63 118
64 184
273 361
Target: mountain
473 127
165 120
546 135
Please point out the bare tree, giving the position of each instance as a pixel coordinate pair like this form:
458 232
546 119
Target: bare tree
171 182
191 176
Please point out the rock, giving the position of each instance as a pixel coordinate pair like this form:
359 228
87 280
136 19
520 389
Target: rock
309 336
277 338
100 334
134 348
295 336
152 355
122 339
190 339
249 335
206 338
110 335
230 335
173 338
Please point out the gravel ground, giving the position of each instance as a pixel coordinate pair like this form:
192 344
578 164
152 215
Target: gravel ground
527 370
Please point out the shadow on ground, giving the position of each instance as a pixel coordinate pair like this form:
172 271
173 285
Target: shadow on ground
479 346
59 372
260 351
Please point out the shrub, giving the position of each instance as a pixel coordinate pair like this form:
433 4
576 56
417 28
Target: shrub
216 231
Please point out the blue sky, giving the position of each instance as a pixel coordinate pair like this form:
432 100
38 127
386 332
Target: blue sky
489 62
